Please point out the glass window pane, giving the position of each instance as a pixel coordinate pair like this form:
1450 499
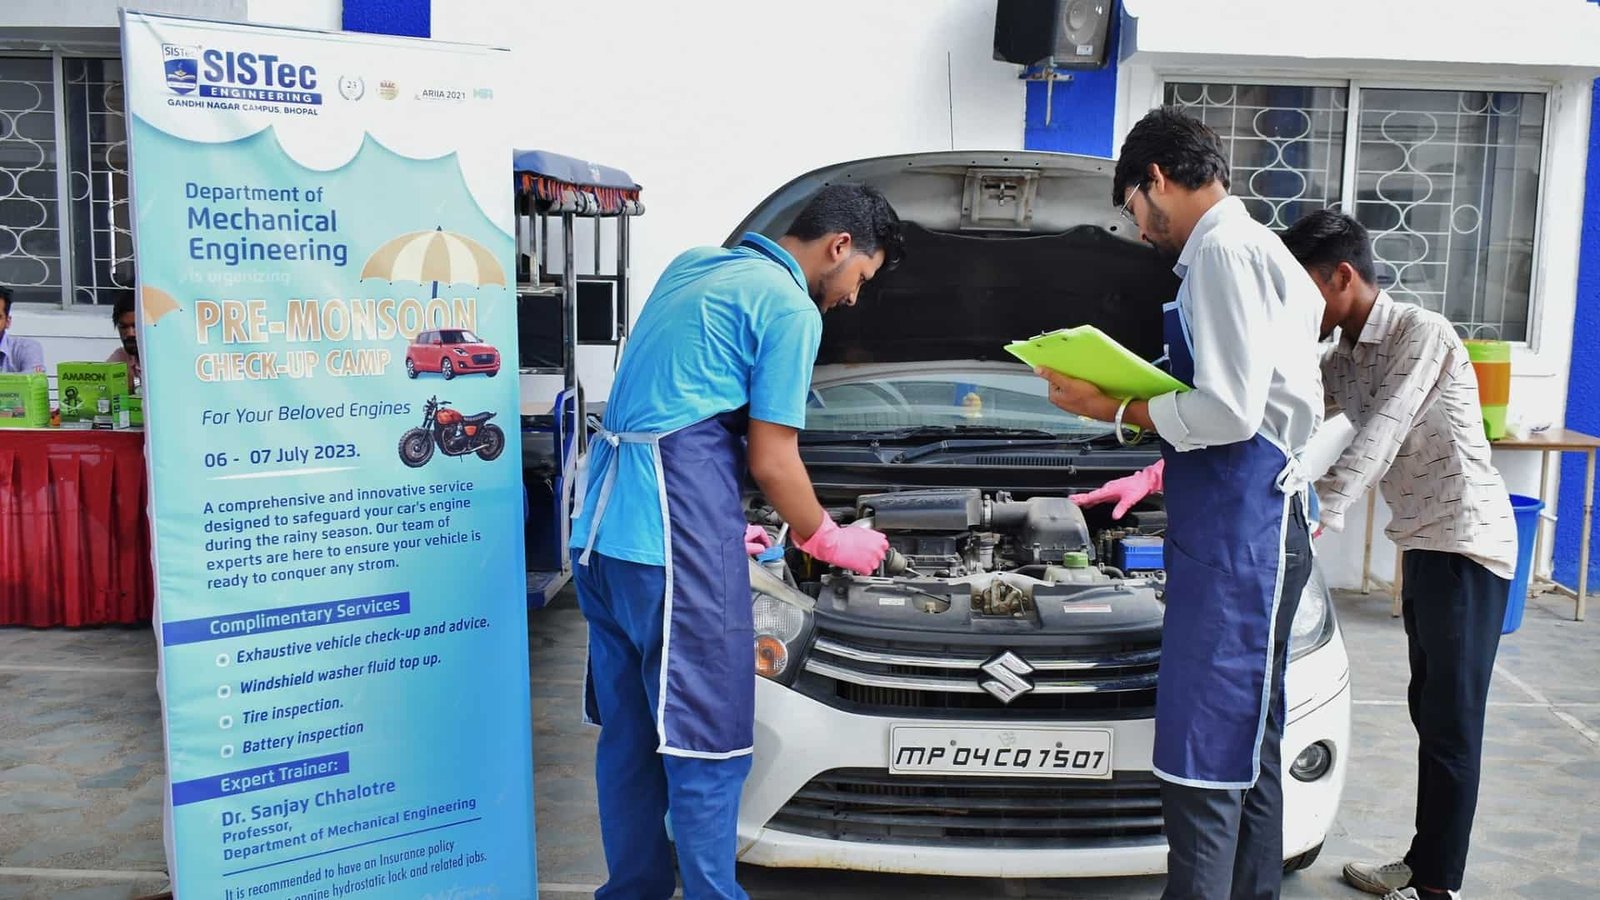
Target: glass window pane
30 237
1448 184
102 242
1285 143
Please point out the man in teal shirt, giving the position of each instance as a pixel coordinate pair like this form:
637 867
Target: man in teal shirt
723 349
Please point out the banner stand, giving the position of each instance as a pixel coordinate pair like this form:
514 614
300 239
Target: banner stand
324 245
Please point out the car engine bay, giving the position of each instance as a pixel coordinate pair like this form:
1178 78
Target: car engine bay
984 558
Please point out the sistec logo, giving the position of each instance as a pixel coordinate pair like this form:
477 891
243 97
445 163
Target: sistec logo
183 67
240 75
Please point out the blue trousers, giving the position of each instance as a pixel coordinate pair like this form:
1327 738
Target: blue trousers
624 603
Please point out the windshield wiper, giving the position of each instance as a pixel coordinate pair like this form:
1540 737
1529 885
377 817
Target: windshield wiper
922 431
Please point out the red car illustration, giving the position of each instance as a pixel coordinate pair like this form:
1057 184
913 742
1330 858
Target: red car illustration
451 352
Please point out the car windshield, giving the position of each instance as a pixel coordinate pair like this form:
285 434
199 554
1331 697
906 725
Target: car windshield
459 337
975 398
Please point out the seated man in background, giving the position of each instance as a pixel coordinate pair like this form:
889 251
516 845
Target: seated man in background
17 353
127 330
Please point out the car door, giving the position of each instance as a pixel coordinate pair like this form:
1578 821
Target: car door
433 350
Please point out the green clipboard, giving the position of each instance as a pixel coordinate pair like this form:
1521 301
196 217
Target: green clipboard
1086 353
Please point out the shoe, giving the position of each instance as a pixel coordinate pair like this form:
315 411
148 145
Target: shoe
1411 894
1382 879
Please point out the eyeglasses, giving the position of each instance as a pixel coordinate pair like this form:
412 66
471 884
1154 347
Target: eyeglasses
1126 211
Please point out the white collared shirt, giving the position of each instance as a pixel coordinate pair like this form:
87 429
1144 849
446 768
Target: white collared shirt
1408 386
1253 316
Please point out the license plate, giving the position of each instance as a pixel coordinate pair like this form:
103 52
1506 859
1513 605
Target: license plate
1016 752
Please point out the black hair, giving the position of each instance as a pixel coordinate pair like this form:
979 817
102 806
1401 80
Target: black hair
1326 238
122 305
1188 153
857 210
5 298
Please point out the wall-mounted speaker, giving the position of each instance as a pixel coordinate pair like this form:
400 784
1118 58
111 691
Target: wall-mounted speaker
1071 33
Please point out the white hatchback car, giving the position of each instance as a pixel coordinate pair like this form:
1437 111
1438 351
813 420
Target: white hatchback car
983 704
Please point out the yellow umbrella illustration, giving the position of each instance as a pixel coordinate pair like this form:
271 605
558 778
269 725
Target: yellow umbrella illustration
156 302
438 256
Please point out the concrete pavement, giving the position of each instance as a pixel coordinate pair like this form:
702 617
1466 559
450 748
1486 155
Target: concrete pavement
80 771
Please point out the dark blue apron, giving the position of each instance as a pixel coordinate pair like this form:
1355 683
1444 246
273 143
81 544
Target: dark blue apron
1228 509
706 695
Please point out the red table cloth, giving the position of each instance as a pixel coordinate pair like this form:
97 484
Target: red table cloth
74 539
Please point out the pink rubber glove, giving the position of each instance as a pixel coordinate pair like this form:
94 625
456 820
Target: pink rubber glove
1126 491
858 549
756 539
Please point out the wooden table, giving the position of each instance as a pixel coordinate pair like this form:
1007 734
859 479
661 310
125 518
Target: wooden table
1545 443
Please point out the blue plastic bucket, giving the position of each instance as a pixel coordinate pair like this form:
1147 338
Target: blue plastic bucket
1526 511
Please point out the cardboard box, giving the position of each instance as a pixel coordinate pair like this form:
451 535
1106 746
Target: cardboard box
128 411
87 390
24 400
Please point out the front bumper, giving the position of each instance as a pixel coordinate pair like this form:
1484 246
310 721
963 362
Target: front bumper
472 363
799 739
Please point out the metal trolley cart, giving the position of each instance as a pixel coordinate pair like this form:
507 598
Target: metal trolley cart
564 306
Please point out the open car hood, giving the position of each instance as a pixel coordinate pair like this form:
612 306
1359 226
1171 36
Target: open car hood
1000 245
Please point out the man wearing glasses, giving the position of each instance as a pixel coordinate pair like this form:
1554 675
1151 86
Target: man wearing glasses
1243 334
17 353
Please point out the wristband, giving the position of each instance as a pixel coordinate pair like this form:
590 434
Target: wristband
1121 438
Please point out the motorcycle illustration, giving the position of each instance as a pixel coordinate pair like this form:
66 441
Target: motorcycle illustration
454 433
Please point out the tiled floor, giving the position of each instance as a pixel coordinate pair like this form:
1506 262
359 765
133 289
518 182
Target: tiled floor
80 771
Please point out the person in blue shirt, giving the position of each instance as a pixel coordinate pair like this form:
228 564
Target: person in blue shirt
17 353
713 381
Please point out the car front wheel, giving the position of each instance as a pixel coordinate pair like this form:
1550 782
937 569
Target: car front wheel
1303 861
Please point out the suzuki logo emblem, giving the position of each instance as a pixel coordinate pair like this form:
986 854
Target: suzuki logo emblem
1005 677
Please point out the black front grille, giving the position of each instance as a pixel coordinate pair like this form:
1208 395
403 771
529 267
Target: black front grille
873 806
483 359
1034 707
909 679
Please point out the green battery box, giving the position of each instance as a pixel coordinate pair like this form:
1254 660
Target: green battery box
128 411
24 400
87 390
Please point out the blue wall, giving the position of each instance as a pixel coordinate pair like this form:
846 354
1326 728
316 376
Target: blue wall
1583 391
1083 110
408 18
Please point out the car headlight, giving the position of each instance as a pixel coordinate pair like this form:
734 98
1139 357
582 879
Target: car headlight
1313 762
1313 621
782 617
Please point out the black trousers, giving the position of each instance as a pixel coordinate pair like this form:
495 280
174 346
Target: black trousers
1454 609
1228 844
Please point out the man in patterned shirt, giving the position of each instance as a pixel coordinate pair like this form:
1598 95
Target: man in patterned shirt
1402 377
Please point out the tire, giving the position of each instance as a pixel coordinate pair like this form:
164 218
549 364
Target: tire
411 368
496 445
416 448
1303 861
447 370
492 373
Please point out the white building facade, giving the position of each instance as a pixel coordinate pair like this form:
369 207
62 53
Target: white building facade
1460 132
